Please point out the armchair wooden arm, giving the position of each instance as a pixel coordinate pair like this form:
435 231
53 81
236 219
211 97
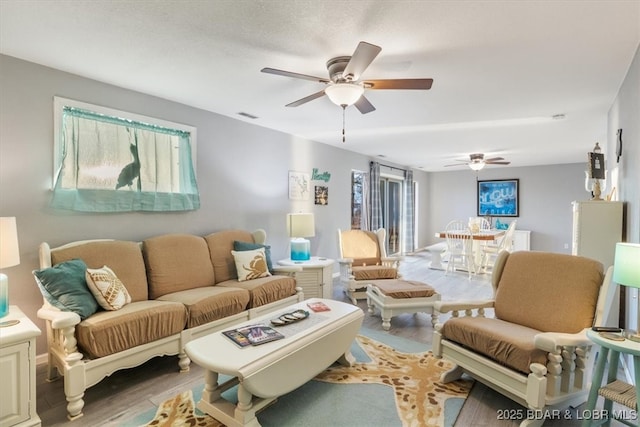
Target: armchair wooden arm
551 341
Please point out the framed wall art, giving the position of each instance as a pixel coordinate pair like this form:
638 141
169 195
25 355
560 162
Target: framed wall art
498 198
322 195
299 185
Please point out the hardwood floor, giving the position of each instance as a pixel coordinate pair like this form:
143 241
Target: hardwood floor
139 389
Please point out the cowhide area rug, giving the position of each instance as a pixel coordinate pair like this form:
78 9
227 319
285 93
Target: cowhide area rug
419 397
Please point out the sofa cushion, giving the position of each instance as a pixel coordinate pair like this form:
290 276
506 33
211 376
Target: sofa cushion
177 262
251 264
247 246
374 272
400 289
507 343
123 257
537 289
109 332
220 247
265 289
210 303
107 289
64 286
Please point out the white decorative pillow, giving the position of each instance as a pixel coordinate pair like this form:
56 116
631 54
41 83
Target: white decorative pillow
108 290
251 264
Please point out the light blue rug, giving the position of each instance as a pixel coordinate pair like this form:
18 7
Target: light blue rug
323 403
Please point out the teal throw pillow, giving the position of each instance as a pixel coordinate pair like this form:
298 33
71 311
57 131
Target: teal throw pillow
246 246
64 286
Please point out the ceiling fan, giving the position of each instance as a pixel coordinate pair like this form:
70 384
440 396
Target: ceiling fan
477 161
344 86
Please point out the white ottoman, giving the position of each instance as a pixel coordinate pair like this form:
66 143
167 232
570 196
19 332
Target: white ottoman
397 296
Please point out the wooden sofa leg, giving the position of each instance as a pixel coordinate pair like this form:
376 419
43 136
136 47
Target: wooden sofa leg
183 362
74 391
452 374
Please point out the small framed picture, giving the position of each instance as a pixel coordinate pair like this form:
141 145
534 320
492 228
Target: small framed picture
322 195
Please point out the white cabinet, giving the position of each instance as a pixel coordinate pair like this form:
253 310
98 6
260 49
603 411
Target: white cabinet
597 227
18 371
521 240
316 277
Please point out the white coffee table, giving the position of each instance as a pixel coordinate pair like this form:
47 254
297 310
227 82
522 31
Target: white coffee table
273 369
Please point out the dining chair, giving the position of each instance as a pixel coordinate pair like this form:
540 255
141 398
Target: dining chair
480 223
460 247
490 251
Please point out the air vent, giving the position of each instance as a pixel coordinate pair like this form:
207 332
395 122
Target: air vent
250 116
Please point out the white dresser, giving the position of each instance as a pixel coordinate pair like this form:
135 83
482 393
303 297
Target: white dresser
597 227
521 240
18 371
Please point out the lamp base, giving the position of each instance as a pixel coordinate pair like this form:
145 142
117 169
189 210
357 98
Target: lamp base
4 295
300 249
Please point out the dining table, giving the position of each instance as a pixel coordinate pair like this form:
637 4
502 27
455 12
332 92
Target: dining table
482 236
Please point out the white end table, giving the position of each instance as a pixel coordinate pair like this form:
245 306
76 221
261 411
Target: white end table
316 277
18 371
613 349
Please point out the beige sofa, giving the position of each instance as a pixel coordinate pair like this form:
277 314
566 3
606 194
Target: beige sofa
181 287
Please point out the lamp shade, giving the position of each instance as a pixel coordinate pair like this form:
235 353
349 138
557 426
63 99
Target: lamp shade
626 264
9 250
300 225
344 93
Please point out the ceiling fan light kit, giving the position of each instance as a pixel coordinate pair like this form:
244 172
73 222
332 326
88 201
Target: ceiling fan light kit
344 94
476 165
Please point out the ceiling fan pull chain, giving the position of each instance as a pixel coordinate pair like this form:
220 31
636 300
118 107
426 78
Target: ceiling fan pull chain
344 108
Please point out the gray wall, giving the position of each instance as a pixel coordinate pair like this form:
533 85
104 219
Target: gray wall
625 114
545 196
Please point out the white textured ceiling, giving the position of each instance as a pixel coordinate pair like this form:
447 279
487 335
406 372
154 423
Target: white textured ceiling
490 61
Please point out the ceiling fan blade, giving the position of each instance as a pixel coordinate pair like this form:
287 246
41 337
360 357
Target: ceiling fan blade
498 163
493 159
306 99
457 164
294 75
364 106
362 57
424 84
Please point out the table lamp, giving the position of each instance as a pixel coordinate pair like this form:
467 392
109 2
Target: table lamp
9 256
299 226
626 269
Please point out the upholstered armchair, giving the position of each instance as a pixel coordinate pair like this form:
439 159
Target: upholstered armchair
534 348
363 257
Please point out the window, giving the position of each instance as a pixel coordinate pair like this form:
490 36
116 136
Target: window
357 199
111 161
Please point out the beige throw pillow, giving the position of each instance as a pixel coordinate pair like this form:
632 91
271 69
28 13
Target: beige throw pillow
108 290
251 264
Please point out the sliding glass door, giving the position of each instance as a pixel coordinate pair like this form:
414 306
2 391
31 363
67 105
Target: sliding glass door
391 200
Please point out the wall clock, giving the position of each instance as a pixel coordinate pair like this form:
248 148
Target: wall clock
618 145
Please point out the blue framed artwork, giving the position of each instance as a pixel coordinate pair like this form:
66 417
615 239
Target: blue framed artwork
498 197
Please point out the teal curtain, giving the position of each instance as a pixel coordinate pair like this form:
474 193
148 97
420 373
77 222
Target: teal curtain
112 164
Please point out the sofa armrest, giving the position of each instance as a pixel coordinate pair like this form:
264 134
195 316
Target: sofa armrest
59 319
552 341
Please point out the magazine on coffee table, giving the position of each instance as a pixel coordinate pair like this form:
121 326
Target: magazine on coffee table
253 335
